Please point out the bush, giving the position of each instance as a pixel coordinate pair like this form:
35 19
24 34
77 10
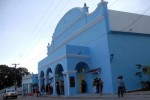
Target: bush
143 71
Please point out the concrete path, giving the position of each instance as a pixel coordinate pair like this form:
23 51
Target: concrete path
128 96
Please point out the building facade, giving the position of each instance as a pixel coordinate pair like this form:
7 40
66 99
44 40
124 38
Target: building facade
29 83
85 47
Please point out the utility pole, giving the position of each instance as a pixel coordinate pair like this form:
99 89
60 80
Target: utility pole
15 76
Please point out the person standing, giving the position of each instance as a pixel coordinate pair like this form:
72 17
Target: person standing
57 88
83 84
37 91
94 85
100 86
42 90
48 89
97 85
121 86
24 92
62 87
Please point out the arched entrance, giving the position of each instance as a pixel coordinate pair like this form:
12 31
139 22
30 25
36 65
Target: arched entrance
59 77
42 81
81 69
49 81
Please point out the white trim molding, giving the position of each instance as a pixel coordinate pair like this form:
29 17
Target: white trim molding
66 56
69 72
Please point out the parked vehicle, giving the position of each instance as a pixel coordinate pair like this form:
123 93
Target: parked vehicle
10 93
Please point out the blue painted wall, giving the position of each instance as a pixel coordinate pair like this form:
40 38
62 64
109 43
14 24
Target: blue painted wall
128 49
80 37
86 38
35 78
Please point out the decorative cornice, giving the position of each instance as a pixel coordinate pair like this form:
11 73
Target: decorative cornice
128 33
77 56
27 77
69 26
96 20
64 56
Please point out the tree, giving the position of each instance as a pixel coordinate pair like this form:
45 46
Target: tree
7 75
143 71
4 73
20 73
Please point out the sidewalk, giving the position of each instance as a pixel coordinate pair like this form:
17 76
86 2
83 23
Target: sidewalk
144 95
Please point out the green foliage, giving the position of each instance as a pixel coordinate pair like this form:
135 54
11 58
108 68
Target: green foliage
7 75
143 70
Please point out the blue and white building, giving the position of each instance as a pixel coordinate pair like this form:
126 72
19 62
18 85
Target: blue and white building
29 83
103 44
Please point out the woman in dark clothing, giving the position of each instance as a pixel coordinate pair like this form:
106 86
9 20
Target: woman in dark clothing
37 91
100 86
57 88
62 88
97 85
83 84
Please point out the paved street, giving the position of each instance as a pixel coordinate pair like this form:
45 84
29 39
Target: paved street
128 96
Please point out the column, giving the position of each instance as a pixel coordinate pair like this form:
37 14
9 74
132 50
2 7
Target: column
28 90
70 82
54 84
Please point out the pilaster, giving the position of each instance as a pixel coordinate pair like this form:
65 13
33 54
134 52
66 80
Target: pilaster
70 82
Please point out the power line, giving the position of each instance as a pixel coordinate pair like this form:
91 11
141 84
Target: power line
46 20
136 19
36 27
41 35
64 7
113 3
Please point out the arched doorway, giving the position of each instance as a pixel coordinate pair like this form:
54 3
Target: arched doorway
58 72
49 81
59 77
42 81
81 69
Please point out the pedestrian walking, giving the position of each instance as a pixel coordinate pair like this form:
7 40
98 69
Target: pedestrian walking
24 92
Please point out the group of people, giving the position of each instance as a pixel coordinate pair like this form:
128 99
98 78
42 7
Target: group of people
60 88
98 85
40 92
49 89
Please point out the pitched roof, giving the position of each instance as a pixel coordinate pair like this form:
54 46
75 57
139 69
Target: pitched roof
129 22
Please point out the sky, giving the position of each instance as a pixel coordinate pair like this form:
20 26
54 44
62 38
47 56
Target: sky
27 26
